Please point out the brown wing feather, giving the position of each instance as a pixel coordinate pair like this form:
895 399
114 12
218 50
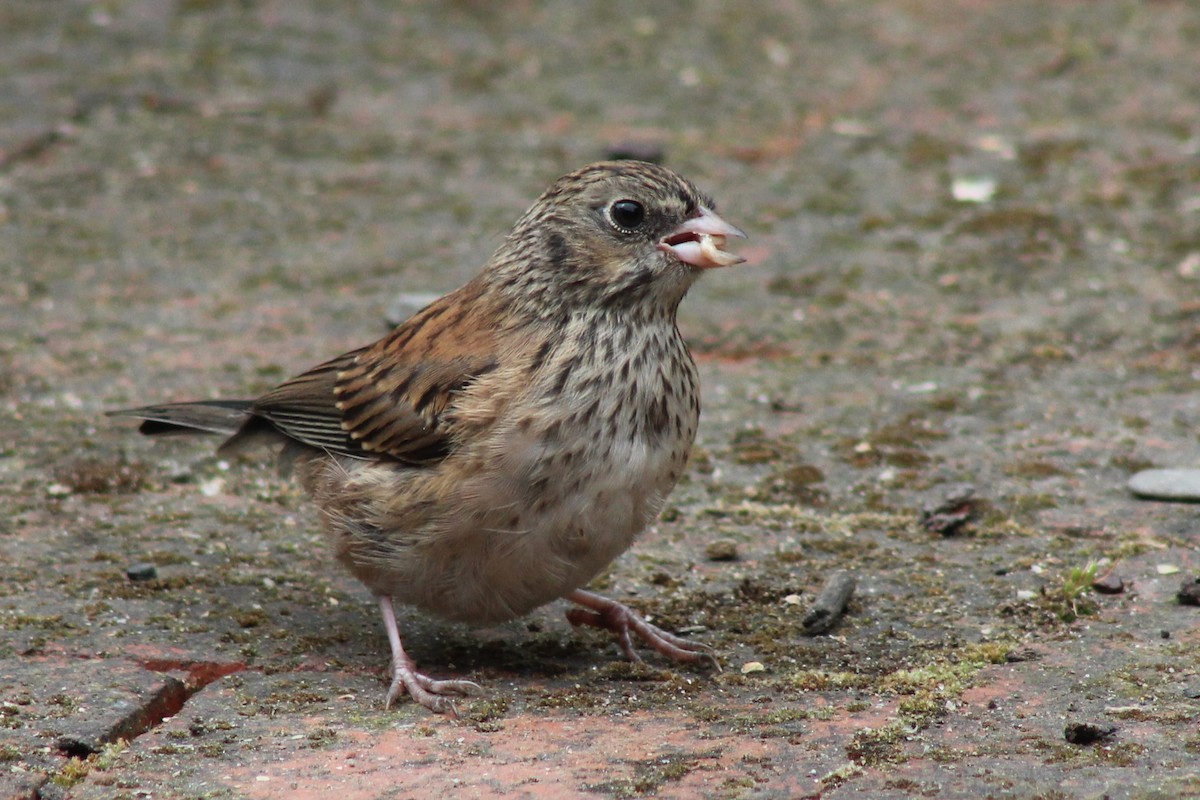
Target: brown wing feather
304 408
387 399
394 398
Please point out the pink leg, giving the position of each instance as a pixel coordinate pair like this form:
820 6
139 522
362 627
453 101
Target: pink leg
406 678
600 612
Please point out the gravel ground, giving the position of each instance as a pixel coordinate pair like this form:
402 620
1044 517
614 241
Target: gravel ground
969 315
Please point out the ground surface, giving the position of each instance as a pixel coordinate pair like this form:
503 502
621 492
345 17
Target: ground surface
974 259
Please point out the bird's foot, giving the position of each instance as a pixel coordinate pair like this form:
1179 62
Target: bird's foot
433 694
600 612
436 695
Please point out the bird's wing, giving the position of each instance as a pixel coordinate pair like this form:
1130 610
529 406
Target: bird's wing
304 408
395 405
389 399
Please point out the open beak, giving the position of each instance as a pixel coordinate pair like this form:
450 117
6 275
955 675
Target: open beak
698 241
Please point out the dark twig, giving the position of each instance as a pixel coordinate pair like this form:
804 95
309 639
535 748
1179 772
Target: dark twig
830 603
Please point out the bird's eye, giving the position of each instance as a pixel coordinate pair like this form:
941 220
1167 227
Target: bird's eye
627 215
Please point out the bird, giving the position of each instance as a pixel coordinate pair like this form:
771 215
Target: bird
501 447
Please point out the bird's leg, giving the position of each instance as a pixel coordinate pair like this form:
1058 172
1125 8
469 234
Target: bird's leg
600 612
406 678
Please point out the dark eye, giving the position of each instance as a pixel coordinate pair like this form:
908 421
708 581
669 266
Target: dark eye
627 214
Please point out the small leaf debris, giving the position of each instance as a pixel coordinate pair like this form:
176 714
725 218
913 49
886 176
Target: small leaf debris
948 516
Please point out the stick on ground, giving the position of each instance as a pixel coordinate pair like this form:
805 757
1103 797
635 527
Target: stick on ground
830 603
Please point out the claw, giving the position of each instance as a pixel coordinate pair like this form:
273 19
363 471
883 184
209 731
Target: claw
600 612
433 694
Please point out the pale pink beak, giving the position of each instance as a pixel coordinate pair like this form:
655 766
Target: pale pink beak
699 241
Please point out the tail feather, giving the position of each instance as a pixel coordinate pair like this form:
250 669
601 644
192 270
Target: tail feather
216 417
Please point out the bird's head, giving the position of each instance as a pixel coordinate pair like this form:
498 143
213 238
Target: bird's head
617 232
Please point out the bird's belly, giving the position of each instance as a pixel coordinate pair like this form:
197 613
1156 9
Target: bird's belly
534 531
505 540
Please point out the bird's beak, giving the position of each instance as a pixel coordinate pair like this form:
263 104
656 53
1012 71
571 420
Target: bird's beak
699 241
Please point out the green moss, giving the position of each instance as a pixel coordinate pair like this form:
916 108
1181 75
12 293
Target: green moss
652 774
46 622
1033 469
874 747
251 618
1068 600
77 769
839 776
1029 503
927 693
485 713
103 475
815 680
752 446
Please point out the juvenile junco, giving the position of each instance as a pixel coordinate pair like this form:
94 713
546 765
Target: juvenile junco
502 446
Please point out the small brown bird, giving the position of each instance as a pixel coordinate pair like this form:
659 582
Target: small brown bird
501 447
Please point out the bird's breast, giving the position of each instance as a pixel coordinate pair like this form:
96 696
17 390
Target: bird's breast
607 428
588 452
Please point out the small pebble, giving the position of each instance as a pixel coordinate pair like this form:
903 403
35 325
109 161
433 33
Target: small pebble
141 572
722 550
753 666
1109 584
973 189
1167 484
1189 592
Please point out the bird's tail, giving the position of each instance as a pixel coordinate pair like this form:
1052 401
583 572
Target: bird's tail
216 417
